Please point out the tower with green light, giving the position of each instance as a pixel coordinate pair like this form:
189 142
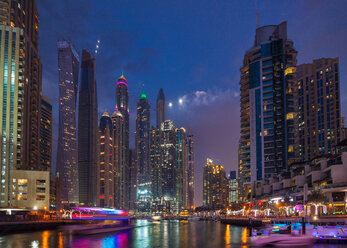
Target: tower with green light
142 134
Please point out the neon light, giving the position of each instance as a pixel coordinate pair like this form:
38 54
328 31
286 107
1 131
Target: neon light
108 211
121 82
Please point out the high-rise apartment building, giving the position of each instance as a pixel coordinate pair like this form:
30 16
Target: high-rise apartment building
155 163
319 110
168 160
122 105
181 177
161 108
118 154
87 132
216 186
12 105
46 126
23 14
269 140
105 177
190 171
142 147
67 167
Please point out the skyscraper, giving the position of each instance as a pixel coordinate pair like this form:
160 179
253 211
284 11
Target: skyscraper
181 169
319 107
142 150
122 105
215 187
268 141
190 171
105 183
155 164
118 154
161 108
23 14
168 159
12 104
46 134
87 132
67 167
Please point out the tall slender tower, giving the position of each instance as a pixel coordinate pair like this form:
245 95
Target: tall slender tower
181 169
155 164
142 150
87 132
168 160
12 104
161 108
118 154
269 142
122 104
190 171
105 189
67 167
23 14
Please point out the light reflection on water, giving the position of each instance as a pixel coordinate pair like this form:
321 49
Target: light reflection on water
144 235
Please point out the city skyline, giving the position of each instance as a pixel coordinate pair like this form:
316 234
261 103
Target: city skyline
185 116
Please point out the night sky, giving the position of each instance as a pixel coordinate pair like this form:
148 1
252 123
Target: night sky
192 49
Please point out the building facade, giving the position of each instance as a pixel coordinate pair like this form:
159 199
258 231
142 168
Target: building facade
168 160
181 177
319 107
155 163
30 189
46 126
142 147
133 179
87 132
118 151
67 167
233 186
161 108
23 14
269 140
190 171
12 101
122 105
216 185
105 177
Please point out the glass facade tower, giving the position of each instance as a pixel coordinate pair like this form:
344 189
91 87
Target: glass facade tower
11 105
87 132
268 141
67 167
144 193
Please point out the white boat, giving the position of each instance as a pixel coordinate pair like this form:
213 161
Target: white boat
327 231
283 240
193 218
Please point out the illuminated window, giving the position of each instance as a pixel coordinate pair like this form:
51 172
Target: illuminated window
265 132
289 70
290 148
290 116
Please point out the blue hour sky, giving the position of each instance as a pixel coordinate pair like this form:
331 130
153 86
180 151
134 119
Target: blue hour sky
192 49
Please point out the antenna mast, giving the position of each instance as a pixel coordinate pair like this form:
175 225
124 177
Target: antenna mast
256 13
